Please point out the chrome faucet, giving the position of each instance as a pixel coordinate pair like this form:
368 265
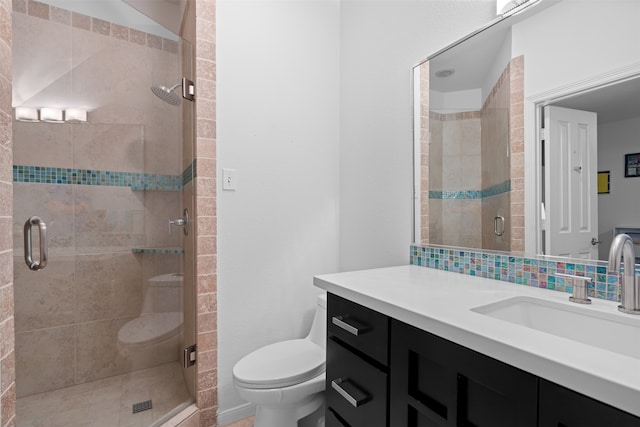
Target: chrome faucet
622 246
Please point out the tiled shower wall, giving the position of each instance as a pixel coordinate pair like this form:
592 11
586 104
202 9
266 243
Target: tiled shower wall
516 143
206 260
495 163
83 180
425 214
199 28
454 154
7 339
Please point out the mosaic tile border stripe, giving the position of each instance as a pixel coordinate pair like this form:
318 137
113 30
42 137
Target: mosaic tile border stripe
538 272
167 251
137 181
455 195
189 173
503 187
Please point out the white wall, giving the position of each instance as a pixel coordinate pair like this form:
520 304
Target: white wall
455 102
380 42
621 207
576 40
313 196
277 121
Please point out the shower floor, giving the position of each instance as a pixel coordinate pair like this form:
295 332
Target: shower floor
107 402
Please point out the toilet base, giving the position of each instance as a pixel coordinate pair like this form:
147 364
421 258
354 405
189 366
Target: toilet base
287 415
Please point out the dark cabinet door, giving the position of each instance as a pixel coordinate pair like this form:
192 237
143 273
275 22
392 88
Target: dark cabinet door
334 420
356 391
561 407
435 382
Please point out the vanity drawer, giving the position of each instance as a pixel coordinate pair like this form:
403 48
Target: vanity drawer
356 391
359 327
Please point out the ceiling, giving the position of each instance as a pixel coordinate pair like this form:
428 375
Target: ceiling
470 63
612 103
473 57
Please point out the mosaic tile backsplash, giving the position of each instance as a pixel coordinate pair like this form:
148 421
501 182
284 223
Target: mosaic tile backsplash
522 270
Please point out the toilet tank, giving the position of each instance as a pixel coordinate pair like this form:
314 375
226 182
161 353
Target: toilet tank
163 294
318 333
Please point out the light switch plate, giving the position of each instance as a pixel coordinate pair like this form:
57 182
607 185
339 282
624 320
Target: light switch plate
229 179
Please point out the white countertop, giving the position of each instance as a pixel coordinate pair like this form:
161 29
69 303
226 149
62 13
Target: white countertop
440 302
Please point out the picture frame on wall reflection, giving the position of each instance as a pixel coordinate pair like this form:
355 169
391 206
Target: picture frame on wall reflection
632 165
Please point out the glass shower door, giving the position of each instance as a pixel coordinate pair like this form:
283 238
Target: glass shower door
100 331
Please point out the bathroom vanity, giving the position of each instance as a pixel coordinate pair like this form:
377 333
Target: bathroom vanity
412 346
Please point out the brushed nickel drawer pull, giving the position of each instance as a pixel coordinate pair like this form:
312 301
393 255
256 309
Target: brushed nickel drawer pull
350 392
352 326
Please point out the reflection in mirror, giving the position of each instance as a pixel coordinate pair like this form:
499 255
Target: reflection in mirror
613 113
478 105
468 139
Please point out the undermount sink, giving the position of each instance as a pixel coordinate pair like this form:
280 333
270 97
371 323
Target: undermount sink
609 331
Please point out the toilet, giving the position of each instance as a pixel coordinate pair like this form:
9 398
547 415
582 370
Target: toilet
154 337
286 380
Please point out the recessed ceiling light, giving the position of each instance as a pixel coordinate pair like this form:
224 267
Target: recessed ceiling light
445 73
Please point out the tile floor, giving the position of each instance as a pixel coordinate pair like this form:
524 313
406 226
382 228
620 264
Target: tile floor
107 402
245 422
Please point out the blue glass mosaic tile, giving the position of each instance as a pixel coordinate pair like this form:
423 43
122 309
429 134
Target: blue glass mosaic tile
176 251
135 180
503 187
189 173
528 271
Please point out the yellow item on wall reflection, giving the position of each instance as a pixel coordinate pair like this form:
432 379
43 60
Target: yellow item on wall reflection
603 182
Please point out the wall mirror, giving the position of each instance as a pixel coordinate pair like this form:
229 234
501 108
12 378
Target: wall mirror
497 164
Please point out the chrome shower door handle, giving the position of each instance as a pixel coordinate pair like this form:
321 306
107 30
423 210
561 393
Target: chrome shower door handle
28 250
498 225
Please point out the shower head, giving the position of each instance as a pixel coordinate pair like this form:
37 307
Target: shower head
167 94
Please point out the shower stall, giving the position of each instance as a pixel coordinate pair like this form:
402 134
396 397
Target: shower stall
106 168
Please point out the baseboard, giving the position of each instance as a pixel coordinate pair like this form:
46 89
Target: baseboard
234 414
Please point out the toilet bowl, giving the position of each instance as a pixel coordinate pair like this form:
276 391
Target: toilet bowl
153 337
286 380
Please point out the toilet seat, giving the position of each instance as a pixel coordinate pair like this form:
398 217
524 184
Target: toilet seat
150 328
280 365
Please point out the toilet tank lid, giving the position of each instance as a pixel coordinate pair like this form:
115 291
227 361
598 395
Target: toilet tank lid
168 280
280 365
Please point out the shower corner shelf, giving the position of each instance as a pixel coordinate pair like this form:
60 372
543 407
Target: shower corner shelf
147 187
174 251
